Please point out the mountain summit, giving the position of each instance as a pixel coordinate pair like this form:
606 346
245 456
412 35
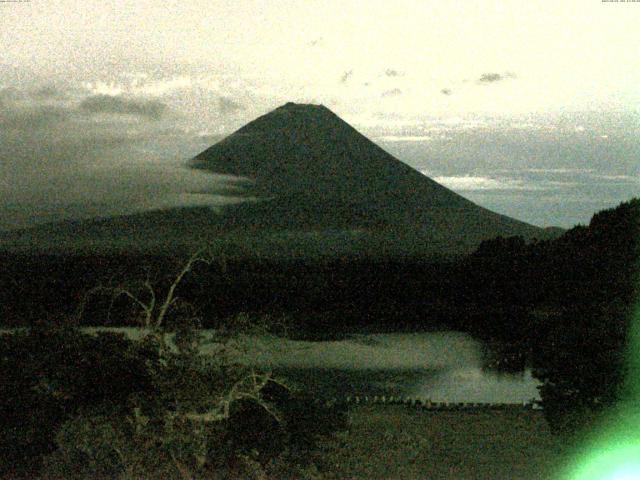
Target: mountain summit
307 149
320 172
318 187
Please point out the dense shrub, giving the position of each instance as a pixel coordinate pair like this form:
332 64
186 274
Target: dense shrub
582 369
208 417
565 306
580 353
103 406
49 374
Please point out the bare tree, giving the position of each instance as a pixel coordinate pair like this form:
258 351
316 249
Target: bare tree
155 306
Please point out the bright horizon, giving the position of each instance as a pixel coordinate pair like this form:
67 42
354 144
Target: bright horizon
528 109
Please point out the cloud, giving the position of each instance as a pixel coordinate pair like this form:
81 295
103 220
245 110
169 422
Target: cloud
57 161
559 170
41 92
8 93
95 104
390 72
490 78
389 351
35 140
140 84
345 76
446 91
475 183
406 138
48 92
36 117
493 77
535 180
103 88
228 106
630 179
475 384
391 93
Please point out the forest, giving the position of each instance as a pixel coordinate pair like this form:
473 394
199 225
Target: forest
563 307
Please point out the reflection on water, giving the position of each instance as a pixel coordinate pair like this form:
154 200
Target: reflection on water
327 383
442 366
392 351
473 384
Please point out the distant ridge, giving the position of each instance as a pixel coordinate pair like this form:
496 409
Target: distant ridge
325 189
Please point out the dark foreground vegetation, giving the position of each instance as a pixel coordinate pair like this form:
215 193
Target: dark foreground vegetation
75 405
570 307
79 406
562 306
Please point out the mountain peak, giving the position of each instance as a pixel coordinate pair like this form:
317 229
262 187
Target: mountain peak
321 186
302 106
302 148
301 110
290 117
318 169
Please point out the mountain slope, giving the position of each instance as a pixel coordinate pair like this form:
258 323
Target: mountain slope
323 188
319 171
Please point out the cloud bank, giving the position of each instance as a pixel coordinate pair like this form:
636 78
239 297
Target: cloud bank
96 104
68 152
473 183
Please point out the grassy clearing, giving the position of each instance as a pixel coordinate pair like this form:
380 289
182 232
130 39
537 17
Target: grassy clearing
403 443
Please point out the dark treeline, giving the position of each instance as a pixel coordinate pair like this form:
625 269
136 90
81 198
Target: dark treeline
329 294
501 291
566 306
590 270
563 306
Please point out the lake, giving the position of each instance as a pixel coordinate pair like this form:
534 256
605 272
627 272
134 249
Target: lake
442 366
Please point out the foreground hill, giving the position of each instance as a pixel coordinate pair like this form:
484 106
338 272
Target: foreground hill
322 188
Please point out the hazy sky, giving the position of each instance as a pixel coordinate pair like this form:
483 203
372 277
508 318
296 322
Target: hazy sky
100 102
